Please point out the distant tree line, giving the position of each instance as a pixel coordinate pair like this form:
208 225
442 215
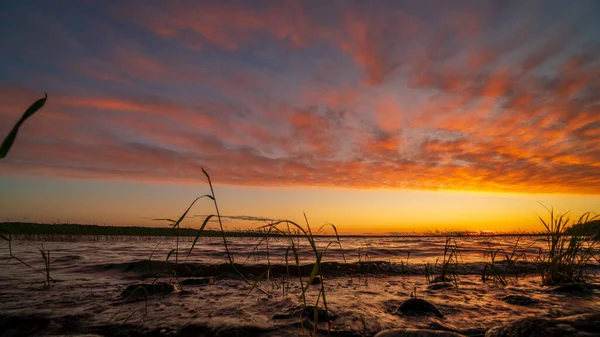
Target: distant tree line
28 228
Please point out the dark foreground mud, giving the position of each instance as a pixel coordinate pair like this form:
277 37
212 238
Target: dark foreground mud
358 306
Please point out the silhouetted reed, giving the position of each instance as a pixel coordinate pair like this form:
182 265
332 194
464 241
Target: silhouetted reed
567 255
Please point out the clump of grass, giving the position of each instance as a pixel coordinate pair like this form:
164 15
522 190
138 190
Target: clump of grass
429 272
567 255
364 258
230 259
364 254
403 269
490 270
450 263
363 322
46 257
448 268
284 227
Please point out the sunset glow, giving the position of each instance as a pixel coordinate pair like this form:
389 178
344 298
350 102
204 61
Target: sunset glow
379 117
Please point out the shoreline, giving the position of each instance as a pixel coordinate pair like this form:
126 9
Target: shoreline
26 229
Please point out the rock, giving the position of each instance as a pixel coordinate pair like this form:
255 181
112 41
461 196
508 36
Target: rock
407 332
196 281
518 300
316 280
439 285
474 332
470 332
322 314
306 312
148 289
30 325
572 288
195 330
418 306
444 279
578 326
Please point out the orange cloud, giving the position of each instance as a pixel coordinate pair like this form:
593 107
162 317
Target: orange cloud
286 94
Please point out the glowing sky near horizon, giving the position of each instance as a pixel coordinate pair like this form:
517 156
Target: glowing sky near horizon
378 116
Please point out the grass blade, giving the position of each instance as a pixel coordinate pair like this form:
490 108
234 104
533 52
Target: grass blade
169 254
199 233
12 135
178 222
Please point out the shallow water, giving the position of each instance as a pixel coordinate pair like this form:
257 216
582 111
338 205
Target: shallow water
90 276
212 251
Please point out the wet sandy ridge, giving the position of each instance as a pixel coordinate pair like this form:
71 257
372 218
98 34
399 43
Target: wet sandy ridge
148 268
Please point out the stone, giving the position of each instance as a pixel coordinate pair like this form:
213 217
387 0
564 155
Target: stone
196 281
30 325
439 285
418 307
587 325
518 300
572 288
444 279
306 312
469 332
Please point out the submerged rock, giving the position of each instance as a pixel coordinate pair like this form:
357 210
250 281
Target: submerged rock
474 332
573 288
518 300
469 332
30 325
322 314
439 285
578 325
444 279
195 330
148 289
407 332
417 307
306 312
196 281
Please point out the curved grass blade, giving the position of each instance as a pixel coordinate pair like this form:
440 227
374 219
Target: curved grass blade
155 247
12 135
314 272
43 254
256 281
169 254
199 233
229 256
176 223
337 236
258 244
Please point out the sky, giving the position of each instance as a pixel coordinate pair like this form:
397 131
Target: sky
377 116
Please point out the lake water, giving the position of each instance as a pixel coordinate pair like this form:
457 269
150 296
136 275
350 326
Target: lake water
378 274
211 250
